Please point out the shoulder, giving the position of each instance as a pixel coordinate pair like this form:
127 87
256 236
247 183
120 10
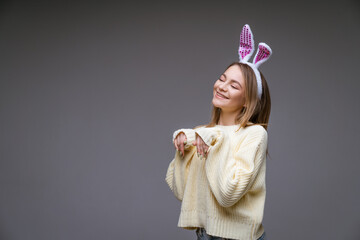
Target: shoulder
200 126
256 128
257 131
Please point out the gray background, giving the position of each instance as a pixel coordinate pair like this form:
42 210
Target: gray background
91 92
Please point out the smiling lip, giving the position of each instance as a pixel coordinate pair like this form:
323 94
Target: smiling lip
220 95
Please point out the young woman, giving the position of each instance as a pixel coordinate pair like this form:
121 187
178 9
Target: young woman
218 172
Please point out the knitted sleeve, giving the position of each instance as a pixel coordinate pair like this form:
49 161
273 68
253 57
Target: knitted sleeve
190 136
231 172
177 172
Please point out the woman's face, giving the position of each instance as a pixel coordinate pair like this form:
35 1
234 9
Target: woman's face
229 90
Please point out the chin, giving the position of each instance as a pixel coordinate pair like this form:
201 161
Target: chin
216 103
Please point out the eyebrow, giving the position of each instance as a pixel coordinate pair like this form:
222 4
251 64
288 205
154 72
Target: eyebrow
232 80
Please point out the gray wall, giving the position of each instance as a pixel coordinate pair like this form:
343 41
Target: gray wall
91 92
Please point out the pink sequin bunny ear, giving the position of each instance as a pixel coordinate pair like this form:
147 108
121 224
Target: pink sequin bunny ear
247 45
262 55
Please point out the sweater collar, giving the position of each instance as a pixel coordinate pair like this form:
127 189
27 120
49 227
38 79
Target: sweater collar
228 127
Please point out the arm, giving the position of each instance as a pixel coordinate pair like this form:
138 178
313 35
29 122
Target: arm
190 136
231 172
177 172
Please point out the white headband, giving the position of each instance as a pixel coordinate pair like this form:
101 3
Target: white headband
246 49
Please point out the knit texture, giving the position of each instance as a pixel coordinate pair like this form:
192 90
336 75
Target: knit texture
225 194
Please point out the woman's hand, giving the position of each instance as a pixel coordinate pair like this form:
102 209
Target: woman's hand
179 143
201 146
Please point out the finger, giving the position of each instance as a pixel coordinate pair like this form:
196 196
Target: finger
176 144
185 139
197 145
182 138
206 148
206 151
181 146
202 149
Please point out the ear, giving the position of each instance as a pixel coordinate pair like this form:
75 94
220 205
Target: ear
262 55
247 45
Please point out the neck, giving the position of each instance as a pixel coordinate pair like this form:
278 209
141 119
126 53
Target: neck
227 118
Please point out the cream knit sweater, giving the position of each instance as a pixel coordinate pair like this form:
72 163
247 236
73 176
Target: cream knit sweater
225 194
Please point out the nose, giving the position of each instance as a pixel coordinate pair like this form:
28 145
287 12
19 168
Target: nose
222 87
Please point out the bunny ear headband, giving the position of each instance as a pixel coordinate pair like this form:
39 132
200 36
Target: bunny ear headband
246 49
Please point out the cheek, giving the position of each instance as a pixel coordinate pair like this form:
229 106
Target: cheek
238 96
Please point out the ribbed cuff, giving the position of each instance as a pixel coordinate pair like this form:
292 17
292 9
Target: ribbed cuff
208 135
190 136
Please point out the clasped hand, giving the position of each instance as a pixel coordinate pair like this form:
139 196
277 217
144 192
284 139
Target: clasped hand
201 147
